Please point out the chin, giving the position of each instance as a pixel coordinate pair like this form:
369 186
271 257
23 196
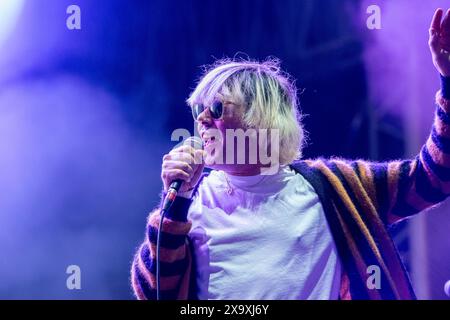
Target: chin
211 162
214 159
214 165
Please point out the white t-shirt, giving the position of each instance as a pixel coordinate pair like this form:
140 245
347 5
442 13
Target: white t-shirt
262 237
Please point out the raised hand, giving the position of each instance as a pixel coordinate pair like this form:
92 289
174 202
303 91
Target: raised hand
440 42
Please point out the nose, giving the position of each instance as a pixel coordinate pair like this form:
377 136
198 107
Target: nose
204 117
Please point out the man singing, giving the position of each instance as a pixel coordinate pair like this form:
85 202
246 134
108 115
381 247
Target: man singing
285 228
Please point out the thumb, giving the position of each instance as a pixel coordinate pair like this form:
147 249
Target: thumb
197 173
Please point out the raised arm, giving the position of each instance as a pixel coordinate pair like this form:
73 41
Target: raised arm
425 181
398 189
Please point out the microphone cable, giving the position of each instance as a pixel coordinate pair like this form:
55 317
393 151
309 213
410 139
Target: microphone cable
196 143
158 241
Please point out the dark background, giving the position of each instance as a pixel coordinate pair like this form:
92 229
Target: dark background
86 116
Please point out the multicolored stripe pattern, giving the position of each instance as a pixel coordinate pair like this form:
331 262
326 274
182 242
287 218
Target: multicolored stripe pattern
360 199
175 255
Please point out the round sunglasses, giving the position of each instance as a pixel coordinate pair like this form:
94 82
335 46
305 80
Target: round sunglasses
215 109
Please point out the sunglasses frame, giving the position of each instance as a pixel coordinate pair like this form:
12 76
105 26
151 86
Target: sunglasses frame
211 110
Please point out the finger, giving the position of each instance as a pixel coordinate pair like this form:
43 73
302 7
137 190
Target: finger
197 173
445 26
177 154
199 156
186 157
181 165
436 21
435 29
175 174
187 149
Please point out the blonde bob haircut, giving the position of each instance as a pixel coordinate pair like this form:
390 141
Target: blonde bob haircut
267 93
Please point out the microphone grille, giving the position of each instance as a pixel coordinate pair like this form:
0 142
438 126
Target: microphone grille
194 142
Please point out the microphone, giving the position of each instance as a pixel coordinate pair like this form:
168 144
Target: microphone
197 144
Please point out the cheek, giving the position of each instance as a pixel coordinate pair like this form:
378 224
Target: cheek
230 123
221 127
236 123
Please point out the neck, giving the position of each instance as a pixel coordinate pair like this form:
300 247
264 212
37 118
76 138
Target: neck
243 170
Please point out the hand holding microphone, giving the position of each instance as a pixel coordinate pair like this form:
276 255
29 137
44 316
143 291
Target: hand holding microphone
182 168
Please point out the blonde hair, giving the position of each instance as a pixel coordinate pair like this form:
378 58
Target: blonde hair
268 94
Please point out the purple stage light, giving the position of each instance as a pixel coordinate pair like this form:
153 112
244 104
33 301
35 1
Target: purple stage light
9 13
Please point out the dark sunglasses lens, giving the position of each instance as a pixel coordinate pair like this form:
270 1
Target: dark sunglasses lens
216 109
196 110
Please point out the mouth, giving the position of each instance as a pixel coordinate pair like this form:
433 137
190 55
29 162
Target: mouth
207 141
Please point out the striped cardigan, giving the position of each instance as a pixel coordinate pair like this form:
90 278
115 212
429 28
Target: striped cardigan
360 200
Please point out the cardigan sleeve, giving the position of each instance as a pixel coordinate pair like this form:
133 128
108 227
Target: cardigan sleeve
175 258
424 181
